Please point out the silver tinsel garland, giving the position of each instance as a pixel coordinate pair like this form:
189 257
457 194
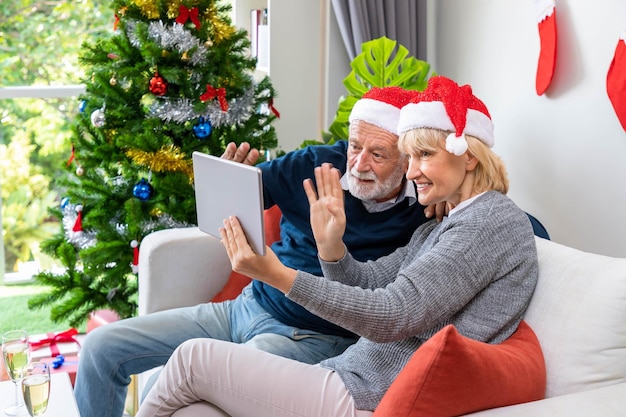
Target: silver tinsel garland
182 110
175 38
179 39
131 33
163 222
86 239
81 240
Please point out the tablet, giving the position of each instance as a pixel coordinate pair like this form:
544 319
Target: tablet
226 188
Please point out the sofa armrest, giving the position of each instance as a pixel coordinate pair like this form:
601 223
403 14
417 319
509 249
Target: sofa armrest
606 402
180 267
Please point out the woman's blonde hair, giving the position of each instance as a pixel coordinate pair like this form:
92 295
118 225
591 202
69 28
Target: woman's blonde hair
490 172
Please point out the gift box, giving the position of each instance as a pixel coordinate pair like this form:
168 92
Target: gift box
62 363
51 345
100 318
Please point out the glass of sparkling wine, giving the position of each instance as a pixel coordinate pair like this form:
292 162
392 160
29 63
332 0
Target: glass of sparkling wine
16 356
36 388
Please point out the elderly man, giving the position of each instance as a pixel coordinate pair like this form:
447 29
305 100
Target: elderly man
382 213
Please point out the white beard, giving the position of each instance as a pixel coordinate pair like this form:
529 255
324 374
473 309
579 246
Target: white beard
376 190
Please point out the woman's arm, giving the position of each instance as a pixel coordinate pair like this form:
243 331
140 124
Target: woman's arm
328 221
244 260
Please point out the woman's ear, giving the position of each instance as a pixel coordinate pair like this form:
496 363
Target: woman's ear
471 162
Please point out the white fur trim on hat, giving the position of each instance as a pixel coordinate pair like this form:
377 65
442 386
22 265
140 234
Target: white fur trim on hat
376 112
433 115
544 9
456 145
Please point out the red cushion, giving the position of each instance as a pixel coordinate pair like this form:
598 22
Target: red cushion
452 375
236 281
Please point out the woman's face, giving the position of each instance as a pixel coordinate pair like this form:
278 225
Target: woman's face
441 176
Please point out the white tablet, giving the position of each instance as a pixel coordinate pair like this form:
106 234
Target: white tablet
226 188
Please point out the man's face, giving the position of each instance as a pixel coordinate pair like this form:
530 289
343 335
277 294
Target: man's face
375 166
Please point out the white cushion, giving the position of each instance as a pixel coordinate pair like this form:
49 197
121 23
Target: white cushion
578 312
601 402
180 267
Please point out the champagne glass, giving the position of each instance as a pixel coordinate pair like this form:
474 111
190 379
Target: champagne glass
16 356
36 388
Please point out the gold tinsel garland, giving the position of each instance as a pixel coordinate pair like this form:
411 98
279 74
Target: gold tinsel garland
173 7
149 8
221 30
167 159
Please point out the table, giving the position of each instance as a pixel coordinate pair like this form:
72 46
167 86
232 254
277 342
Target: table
61 404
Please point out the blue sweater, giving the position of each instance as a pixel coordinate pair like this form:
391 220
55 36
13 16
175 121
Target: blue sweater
368 235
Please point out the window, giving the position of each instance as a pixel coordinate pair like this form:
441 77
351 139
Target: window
40 80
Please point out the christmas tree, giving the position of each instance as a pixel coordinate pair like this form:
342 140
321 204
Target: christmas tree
172 77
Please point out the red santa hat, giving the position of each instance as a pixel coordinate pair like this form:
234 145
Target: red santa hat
445 105
381 106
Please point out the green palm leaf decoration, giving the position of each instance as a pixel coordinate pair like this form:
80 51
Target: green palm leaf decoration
382 63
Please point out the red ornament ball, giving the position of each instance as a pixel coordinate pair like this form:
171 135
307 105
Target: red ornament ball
158 85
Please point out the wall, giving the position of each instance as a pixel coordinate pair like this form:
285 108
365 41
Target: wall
307 65
336 64
295 50
565 151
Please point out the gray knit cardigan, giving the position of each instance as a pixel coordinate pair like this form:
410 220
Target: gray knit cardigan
477 270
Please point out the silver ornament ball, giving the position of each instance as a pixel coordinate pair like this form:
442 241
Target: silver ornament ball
97 118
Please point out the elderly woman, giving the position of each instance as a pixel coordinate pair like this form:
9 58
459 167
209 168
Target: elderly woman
476 270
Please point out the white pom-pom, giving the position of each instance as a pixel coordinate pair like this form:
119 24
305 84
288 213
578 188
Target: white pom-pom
79 208
456 145
134 244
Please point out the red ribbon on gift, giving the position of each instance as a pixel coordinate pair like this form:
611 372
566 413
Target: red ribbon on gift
54 338
185 14
212 92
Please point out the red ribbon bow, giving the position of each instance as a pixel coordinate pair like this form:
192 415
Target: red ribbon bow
116 22
212 92
192 14
72 156
272 108
53 339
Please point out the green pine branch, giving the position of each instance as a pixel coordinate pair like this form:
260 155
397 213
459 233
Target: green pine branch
113 157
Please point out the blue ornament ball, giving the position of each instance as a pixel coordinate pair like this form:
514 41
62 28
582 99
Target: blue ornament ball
64 202
82 105
143 190
202 129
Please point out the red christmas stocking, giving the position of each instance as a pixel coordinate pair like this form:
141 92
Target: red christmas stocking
616 81
546 20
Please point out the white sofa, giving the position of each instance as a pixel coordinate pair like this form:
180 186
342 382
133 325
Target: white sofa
578 312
